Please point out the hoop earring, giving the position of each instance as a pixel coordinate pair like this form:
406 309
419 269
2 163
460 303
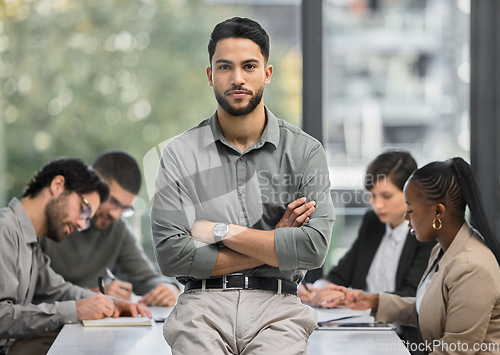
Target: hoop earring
437 224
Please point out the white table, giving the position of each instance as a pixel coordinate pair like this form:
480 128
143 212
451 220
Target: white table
76 339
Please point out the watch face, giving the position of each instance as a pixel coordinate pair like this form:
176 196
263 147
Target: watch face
221 229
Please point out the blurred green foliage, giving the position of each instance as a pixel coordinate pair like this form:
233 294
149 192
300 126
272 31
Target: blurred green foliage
81 77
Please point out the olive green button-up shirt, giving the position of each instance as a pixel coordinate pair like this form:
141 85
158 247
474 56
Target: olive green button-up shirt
203 176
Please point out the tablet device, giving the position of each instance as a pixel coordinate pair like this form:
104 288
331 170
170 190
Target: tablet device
355 326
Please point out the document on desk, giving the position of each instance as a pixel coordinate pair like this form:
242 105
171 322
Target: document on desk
355 326
118 322
342 312
343 318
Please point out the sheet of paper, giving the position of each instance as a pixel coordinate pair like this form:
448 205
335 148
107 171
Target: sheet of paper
327 314
118 322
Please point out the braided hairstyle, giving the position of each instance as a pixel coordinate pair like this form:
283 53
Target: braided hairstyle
453 180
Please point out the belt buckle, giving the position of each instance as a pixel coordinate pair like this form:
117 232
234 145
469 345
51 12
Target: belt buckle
225 281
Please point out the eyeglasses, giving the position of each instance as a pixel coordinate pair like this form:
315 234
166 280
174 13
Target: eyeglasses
126 211
85 211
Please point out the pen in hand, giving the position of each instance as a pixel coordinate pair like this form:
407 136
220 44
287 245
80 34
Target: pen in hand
111 277
100 283
307 288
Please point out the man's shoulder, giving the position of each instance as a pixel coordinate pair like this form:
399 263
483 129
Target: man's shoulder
296 141
7 216
121 228
287 128
192 135
118 229
9 223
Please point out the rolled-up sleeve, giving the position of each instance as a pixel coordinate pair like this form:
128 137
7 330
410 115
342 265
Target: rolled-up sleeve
172 215
306 247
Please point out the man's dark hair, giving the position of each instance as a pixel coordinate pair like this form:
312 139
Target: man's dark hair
78 177
395 164
120 167
238 27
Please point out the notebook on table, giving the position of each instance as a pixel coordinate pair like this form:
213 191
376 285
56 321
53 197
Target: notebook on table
118 322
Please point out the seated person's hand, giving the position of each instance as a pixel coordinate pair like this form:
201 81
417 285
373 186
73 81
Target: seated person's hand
161 295
358 300
95 307
119 289
297 213
305 295
330 296
125 308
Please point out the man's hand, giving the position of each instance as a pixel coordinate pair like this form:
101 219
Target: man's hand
297 213
161 295
329 297
119 289
306 296
125 308
96 307
202 231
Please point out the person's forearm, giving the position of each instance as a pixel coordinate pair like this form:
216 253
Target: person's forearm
229 261
256 244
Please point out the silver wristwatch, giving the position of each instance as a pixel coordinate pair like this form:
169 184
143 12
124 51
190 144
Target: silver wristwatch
220 231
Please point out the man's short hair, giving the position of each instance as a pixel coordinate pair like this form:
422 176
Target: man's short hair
238 27
78 177
120 167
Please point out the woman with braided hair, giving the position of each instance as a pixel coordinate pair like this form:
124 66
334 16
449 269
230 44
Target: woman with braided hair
457 306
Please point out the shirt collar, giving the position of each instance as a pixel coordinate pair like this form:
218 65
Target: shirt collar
27 230
399 233
271 133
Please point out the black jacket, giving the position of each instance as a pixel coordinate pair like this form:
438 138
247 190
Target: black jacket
352 269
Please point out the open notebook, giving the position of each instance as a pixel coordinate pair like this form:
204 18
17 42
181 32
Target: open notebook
118 322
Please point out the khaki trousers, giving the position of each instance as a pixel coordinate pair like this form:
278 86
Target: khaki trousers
239 322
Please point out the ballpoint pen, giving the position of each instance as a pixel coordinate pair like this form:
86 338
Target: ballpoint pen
112 278
100 283
110 275
307 288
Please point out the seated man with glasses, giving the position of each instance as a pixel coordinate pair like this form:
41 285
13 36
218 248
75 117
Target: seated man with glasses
109 244
34 300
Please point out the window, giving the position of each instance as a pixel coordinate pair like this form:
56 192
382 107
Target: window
396 75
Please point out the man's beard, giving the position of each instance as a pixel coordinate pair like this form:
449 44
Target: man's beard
252 104
97 220
55 214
